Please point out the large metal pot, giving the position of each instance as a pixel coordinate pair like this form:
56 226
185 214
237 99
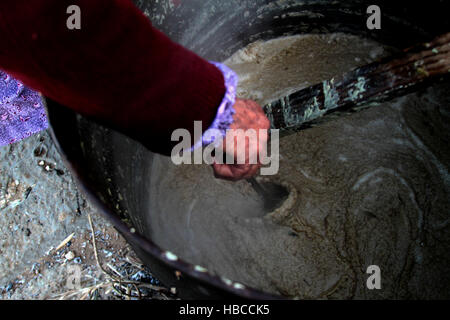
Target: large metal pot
113 170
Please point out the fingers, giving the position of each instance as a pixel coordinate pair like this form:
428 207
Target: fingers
223 171
249 117
235 172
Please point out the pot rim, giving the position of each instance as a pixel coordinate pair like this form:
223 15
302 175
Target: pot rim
168 258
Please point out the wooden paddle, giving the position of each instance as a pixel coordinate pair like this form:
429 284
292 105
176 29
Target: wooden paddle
386 79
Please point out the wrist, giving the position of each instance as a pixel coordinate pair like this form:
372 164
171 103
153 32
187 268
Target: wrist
225 111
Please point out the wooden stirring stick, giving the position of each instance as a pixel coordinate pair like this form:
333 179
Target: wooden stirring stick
360 88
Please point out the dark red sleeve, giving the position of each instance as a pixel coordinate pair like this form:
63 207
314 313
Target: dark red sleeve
117 68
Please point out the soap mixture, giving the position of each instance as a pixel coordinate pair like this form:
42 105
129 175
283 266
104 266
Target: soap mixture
373 189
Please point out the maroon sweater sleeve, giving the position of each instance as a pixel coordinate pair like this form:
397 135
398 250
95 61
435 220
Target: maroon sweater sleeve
117 68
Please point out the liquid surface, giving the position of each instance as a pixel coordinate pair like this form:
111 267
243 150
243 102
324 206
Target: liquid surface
372 189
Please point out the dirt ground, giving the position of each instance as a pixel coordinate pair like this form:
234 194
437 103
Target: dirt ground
46 247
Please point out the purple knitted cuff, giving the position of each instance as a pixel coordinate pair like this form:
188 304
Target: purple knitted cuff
21 111
225 112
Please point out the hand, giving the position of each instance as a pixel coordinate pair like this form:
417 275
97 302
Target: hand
248 115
